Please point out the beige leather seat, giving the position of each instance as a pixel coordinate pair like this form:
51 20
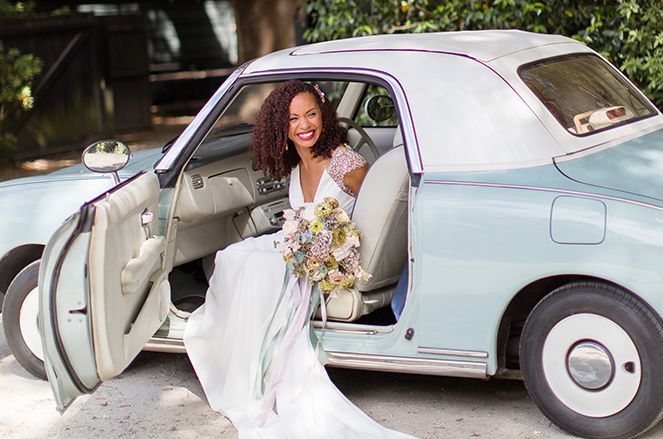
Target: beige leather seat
381 215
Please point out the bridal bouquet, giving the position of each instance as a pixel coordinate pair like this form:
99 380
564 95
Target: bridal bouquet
322 244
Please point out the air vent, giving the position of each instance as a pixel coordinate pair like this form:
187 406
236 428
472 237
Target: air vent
197 181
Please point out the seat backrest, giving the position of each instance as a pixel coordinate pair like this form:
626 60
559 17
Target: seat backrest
380 213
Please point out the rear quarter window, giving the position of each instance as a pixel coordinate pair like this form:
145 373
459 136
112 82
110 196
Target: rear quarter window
584 93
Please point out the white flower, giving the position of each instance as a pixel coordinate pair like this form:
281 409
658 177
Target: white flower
289 214
309 212
342 252
342 217
289 228
352 241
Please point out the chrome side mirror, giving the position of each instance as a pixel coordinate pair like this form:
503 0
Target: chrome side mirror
106 156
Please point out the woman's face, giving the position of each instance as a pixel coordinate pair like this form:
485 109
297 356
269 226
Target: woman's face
304 121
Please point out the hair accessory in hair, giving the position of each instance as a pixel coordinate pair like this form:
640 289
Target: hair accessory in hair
319 92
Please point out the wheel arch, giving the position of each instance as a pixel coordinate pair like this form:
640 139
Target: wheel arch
14 261
522 304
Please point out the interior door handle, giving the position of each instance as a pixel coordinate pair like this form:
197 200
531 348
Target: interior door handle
146 220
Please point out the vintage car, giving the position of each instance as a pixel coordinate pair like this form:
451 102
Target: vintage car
516 175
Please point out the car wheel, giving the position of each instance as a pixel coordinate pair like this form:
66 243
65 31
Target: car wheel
590 359
19 319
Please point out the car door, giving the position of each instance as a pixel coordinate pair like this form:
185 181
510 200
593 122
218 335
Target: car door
103 288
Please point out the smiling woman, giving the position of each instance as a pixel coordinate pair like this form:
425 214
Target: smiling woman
264 372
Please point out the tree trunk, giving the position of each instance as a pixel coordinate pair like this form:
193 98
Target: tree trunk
264 26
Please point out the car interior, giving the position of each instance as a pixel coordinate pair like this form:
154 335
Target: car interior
221 199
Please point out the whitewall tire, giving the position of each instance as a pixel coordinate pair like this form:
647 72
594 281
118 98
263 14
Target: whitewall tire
19 320
590 356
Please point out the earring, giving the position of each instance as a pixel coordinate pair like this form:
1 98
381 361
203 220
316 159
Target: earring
286 146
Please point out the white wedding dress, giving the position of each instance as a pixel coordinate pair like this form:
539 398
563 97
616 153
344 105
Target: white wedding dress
250 343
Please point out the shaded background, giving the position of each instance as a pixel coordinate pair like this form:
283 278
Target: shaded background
123 66
117 67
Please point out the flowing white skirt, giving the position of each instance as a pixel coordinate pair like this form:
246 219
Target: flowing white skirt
228 338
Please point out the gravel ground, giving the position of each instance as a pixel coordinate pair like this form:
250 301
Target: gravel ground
160 397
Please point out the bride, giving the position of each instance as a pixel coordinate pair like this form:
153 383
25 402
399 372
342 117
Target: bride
250 343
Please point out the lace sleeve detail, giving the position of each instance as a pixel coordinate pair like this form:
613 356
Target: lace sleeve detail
344 160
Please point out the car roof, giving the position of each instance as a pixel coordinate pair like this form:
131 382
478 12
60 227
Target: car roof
484 45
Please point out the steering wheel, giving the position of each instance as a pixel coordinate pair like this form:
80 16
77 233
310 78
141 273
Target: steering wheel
364 138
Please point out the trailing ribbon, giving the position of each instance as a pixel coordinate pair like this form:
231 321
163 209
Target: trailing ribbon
280 339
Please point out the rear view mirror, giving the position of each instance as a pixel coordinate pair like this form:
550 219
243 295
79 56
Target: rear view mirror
380 108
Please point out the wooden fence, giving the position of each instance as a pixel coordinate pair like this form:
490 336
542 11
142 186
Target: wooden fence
94 82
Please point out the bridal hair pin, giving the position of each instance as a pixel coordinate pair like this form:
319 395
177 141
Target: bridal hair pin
319 92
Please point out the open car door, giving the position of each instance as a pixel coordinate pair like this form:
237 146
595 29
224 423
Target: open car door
103 289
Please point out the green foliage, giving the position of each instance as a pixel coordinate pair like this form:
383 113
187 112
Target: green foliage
15 9
629 33
16 74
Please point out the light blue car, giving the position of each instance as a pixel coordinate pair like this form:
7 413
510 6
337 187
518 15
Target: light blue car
517 176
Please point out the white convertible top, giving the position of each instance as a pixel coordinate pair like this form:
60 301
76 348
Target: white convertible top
464 104
485 45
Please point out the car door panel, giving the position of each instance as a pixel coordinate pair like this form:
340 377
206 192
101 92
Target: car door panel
106 280
74 371
116 242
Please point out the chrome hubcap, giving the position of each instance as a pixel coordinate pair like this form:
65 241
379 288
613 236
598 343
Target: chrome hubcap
28 324
590 365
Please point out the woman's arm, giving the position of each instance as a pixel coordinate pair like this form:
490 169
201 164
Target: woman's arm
353 179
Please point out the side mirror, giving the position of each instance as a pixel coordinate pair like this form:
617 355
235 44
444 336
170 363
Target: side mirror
380 108
106 156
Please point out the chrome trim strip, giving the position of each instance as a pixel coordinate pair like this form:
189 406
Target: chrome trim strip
407 123
352 328
171 156
167 345
422 366
452 352
545 189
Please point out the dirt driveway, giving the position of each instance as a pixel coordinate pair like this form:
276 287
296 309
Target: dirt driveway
159 397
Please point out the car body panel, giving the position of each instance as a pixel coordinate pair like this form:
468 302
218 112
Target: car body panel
38 209
477 242
634 167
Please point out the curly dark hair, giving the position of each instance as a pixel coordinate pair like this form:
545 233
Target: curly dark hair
270 133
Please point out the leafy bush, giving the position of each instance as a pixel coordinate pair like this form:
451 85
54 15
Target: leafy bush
16 74
627 32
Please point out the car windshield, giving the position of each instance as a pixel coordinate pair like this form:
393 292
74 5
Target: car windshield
584 94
